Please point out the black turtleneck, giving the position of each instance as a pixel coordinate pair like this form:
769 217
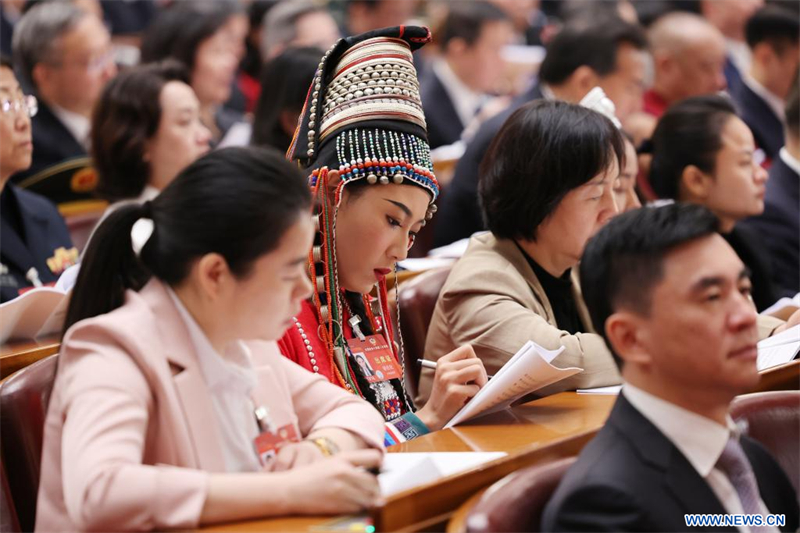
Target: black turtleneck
559 292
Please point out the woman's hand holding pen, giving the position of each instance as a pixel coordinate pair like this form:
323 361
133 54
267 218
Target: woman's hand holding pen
459 376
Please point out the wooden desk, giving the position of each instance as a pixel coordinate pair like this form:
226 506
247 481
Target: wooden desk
15 355
542 430
783 377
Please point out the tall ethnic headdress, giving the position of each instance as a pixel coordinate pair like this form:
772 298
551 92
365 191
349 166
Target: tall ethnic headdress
363 117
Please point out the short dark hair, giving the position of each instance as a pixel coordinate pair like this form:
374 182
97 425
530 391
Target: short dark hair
5 61
281 80
126 116
624 261
592 44
179 30
689 133
543 151
774 25
236 202
465 20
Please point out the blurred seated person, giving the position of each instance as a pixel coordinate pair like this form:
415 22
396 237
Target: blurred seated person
464 78
35 246
611 55
146 128
366 15
773 35
704 154
63 54
778 227
281 100
625 194
688 60
172 407
248 79
203 35
299 23
547 186
672 300
730 18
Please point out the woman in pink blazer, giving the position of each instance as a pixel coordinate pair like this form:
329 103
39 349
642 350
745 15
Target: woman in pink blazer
168 380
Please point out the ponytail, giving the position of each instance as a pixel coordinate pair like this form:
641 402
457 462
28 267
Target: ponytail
236 202
109 267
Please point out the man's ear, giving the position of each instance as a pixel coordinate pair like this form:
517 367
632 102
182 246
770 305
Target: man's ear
695 184
41 75
456 46
584 79
213 276
626 334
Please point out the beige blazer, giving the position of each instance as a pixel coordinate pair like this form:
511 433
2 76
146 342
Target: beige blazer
493 301
130 434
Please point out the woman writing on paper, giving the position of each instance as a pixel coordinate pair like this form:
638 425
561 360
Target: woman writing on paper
363 141
171 407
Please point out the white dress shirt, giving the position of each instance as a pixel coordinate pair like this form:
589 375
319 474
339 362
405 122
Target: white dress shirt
230 379
78 125
465 100
791 161
698 438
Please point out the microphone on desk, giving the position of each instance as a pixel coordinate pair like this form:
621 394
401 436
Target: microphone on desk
432 364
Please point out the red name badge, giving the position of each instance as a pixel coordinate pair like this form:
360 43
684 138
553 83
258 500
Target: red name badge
375 359
268 443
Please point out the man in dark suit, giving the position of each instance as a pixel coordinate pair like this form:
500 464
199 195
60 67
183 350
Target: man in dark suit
63 54
455 87
672 300
778 227
610 55
772 35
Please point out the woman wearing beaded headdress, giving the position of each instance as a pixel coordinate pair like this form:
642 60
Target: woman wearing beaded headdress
362 138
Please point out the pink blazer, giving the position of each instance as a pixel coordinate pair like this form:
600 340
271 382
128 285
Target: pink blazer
130 435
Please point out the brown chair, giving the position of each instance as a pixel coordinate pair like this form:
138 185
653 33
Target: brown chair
23 400
516 502
8 515
773 419
417 299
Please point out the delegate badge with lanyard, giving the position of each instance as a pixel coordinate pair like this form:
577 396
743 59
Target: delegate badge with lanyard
373 355
271 439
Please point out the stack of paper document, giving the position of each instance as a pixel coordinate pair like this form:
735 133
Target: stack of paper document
778 349
36 313
528 371
403 471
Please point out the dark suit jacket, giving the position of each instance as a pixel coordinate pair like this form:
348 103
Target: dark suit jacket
44 233
459 214
778 228
444 124
630 477
759 117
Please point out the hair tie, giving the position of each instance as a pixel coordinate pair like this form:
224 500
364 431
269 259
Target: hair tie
143 228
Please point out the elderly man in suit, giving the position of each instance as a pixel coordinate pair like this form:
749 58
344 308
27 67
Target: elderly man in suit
64 55
672 300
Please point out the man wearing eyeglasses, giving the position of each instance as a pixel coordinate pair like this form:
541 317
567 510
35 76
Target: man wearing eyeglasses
62 54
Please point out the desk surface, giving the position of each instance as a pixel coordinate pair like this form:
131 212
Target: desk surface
538 431
15 355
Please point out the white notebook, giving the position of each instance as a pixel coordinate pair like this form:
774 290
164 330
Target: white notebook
528 371
778 349
403 471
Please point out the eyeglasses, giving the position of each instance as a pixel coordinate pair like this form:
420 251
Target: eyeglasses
27 103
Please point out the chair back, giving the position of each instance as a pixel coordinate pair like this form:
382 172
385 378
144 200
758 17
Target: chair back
773 419
516 502
417 299
23 400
